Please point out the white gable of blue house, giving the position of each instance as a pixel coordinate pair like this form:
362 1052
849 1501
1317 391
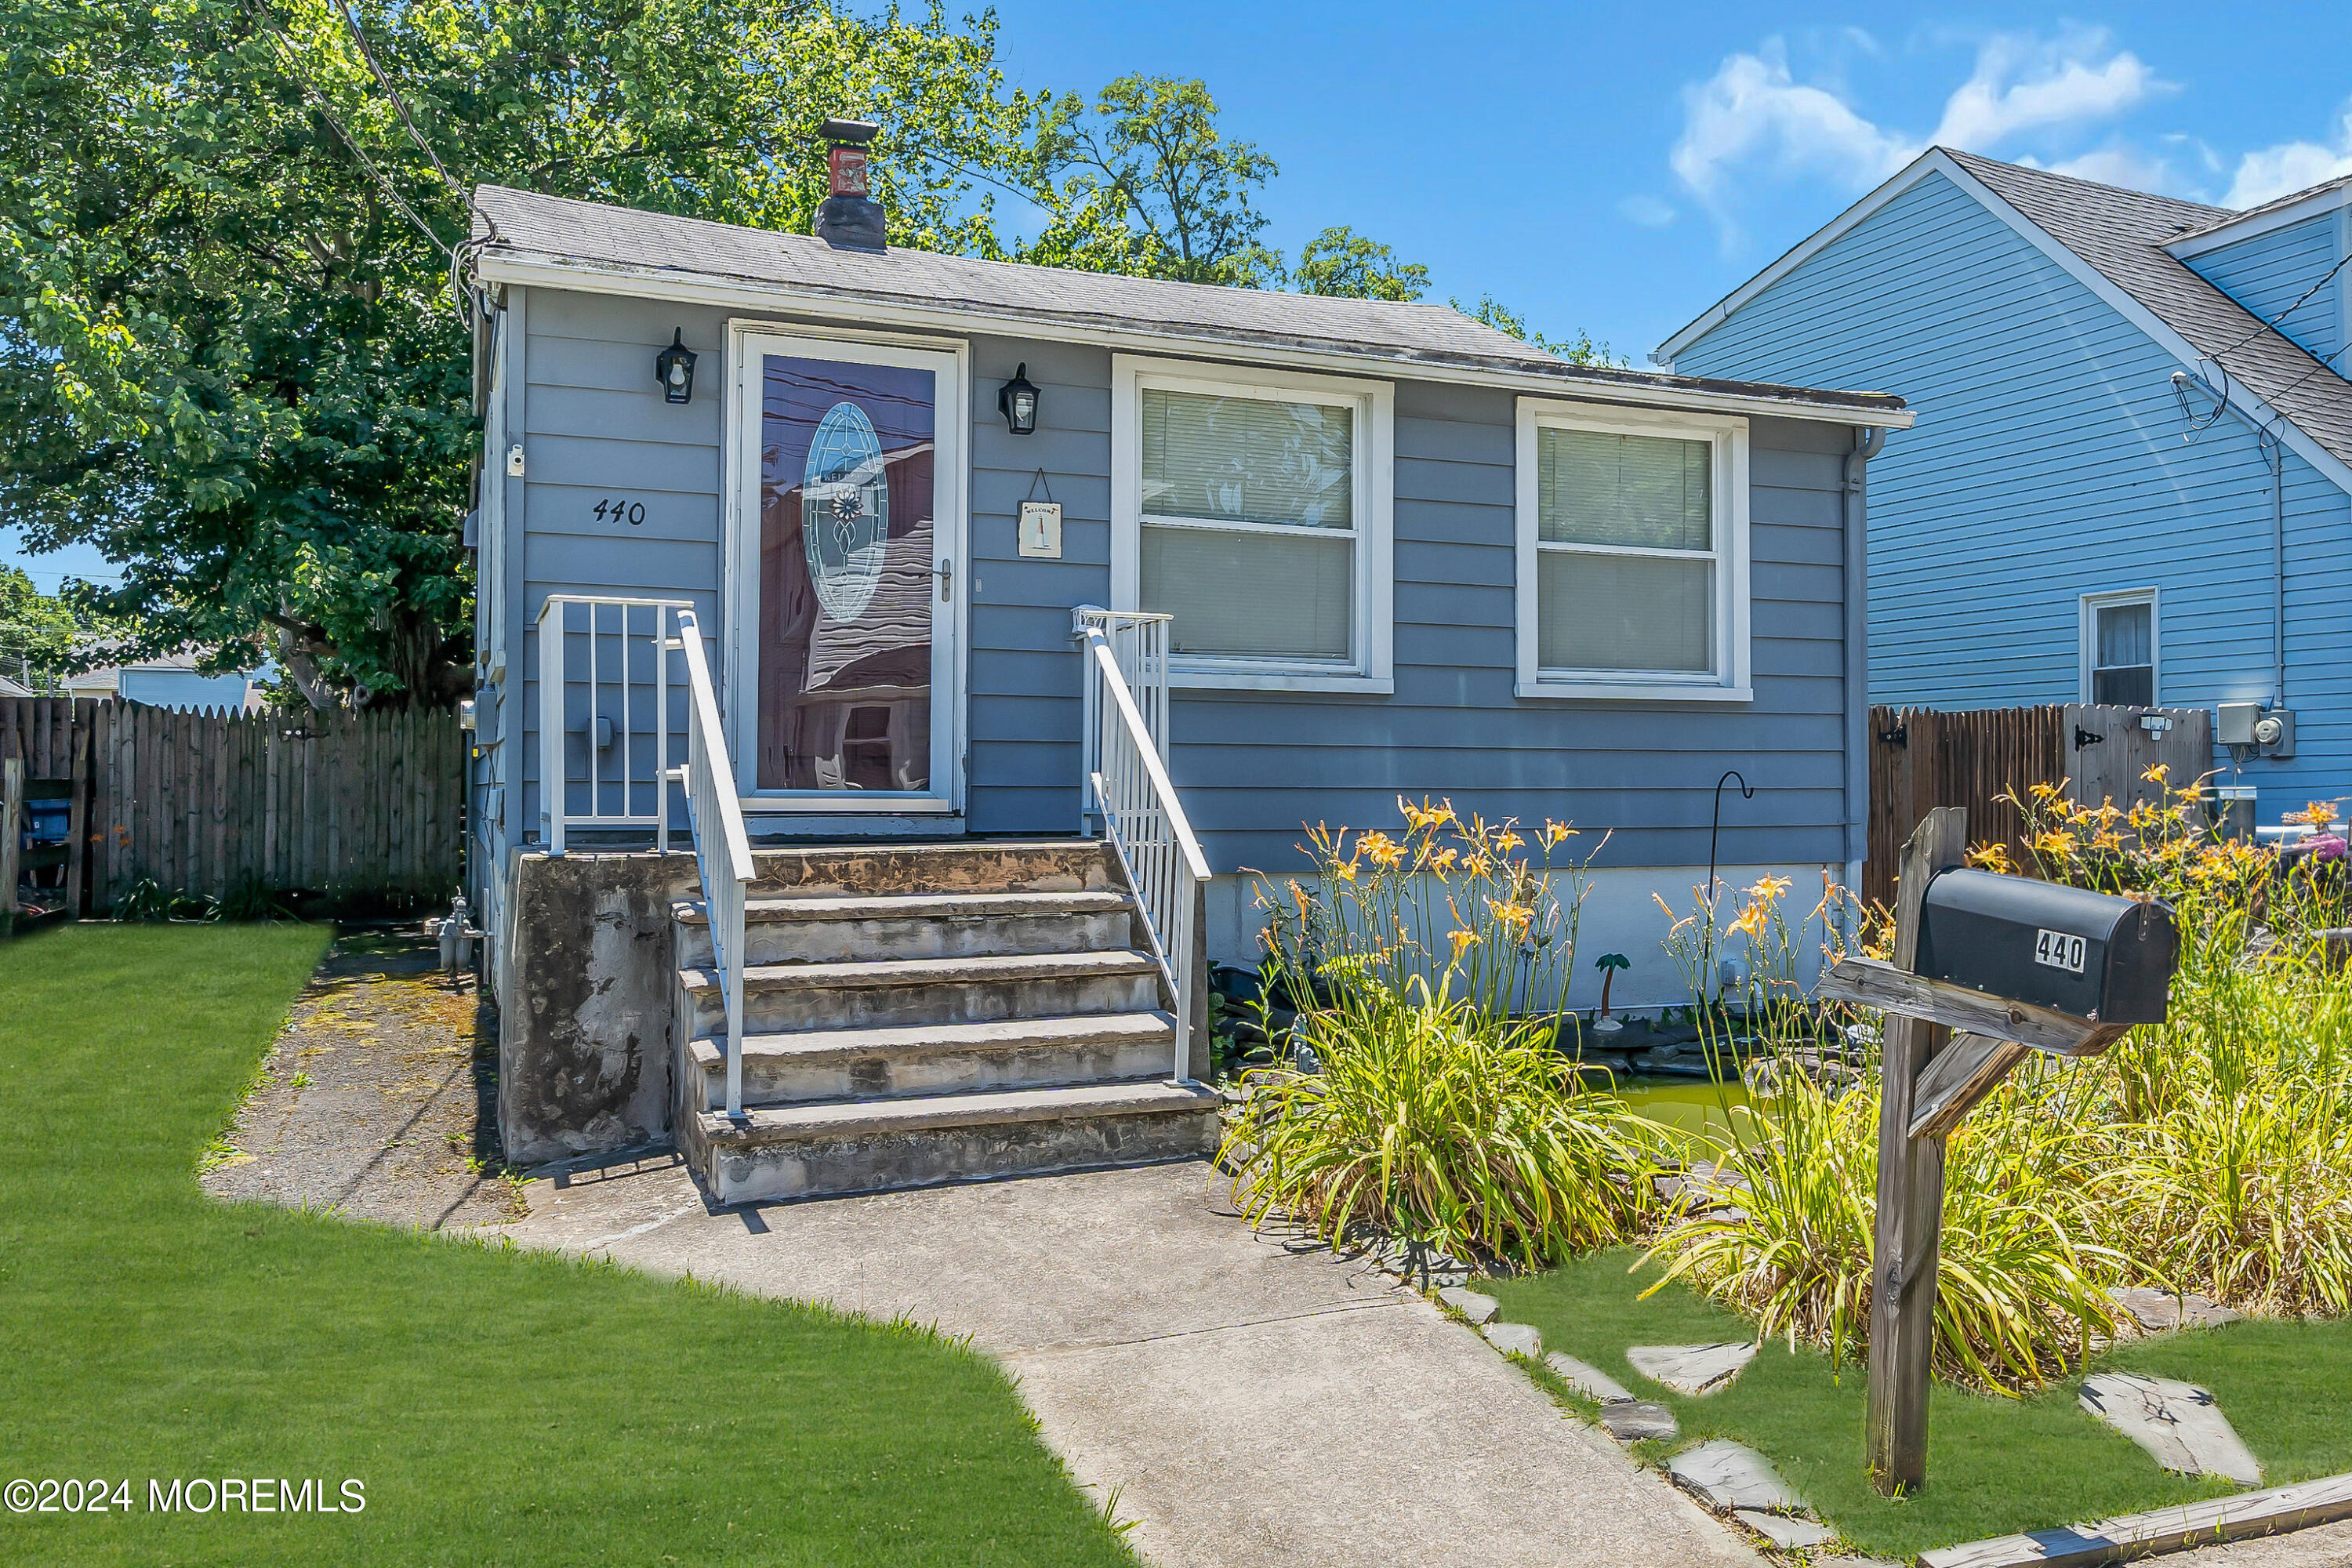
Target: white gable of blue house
2051 461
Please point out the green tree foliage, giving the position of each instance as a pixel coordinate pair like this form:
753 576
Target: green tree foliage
1341 261
38 633
1148 184
230 359
232 352
1503 319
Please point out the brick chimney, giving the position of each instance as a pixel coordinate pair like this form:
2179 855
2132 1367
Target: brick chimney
849 219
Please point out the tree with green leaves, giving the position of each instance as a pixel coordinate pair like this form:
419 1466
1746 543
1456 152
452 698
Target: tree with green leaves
1503 319
233 352
229 352
38 632
1147 183
1341 261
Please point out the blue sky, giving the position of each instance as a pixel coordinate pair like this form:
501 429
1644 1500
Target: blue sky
1619 168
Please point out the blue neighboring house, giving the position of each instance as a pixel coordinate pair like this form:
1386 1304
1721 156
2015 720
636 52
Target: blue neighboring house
2129 480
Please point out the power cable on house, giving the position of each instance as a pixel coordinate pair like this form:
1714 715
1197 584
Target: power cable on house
400 106
461 255
2193 426
326 113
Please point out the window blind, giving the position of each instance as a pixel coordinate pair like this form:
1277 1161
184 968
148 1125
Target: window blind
1644 491
1624 612
1280 595
1248 460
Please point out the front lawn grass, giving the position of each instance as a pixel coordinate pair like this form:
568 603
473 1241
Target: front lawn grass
1994 1465
501 1406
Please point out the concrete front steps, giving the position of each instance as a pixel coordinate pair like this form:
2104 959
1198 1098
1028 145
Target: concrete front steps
933 1012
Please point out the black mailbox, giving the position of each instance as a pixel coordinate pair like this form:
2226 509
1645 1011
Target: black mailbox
2091 954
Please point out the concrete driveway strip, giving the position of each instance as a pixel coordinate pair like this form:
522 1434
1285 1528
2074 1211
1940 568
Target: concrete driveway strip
1251 1402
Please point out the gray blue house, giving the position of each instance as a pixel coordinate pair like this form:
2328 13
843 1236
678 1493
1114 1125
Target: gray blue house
1002 583
2129 478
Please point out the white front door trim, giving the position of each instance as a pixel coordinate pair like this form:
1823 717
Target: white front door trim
748 342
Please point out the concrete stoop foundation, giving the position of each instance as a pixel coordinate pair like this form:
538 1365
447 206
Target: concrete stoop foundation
912 1013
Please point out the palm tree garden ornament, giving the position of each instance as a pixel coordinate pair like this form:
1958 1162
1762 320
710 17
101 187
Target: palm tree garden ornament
1609 963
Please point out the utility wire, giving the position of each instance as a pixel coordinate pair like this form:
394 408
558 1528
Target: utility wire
461 256
2301 300
326 113
400 106
2193 426
2323 364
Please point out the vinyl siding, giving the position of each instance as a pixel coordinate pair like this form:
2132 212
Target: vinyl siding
2271 271
2048 462
1253 767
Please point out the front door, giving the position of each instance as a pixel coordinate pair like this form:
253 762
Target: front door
850 526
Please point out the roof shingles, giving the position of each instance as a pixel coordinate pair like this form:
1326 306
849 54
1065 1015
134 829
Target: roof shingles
592 235
2122 236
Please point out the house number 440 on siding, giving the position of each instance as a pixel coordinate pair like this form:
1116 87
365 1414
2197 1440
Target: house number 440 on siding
631 512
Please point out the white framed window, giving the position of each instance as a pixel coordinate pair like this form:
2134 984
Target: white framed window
1633 553
2119 647
1254 506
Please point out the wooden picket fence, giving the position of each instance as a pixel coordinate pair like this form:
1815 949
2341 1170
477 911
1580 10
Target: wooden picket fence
1921 758
350 808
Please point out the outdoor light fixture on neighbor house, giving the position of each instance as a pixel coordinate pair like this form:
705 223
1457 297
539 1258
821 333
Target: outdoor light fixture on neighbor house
1017 401
674 368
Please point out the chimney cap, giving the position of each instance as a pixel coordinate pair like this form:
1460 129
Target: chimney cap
855 132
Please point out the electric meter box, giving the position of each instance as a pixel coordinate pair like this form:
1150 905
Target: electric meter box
2094 955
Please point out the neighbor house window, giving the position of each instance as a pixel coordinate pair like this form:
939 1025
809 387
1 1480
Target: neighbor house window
1254 512
2119 648
1633 553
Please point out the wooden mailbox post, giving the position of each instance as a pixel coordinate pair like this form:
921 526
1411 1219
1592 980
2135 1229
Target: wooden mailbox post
1946 1047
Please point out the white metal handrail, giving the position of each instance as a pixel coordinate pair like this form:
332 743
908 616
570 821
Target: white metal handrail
722 848
609 670
1126 780
1138 641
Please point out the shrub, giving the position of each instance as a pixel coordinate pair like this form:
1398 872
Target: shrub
2021 1293
2212 1152
1428 975
1432 1125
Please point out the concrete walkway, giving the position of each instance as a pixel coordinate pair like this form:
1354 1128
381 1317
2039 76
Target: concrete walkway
1249 1404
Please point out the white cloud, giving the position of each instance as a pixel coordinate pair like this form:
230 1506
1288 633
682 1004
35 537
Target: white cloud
1647 211
1753 106
2271 172
1754 111
2022 83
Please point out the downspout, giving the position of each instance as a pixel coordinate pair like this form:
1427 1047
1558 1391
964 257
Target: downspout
2268 440
1867 443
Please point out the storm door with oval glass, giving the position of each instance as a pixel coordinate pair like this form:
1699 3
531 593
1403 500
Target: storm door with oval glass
850 503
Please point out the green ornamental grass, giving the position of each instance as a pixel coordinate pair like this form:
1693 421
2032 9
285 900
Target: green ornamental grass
1428 973
2209 1153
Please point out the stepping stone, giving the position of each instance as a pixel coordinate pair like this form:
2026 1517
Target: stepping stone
2161 1312
1586 1379
1788 1534
2177 1423
1634 1420
1479 1309
1728 1475
1692 1369
1514 1339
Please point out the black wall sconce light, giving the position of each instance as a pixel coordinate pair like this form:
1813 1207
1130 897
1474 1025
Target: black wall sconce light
1017 401
674 368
